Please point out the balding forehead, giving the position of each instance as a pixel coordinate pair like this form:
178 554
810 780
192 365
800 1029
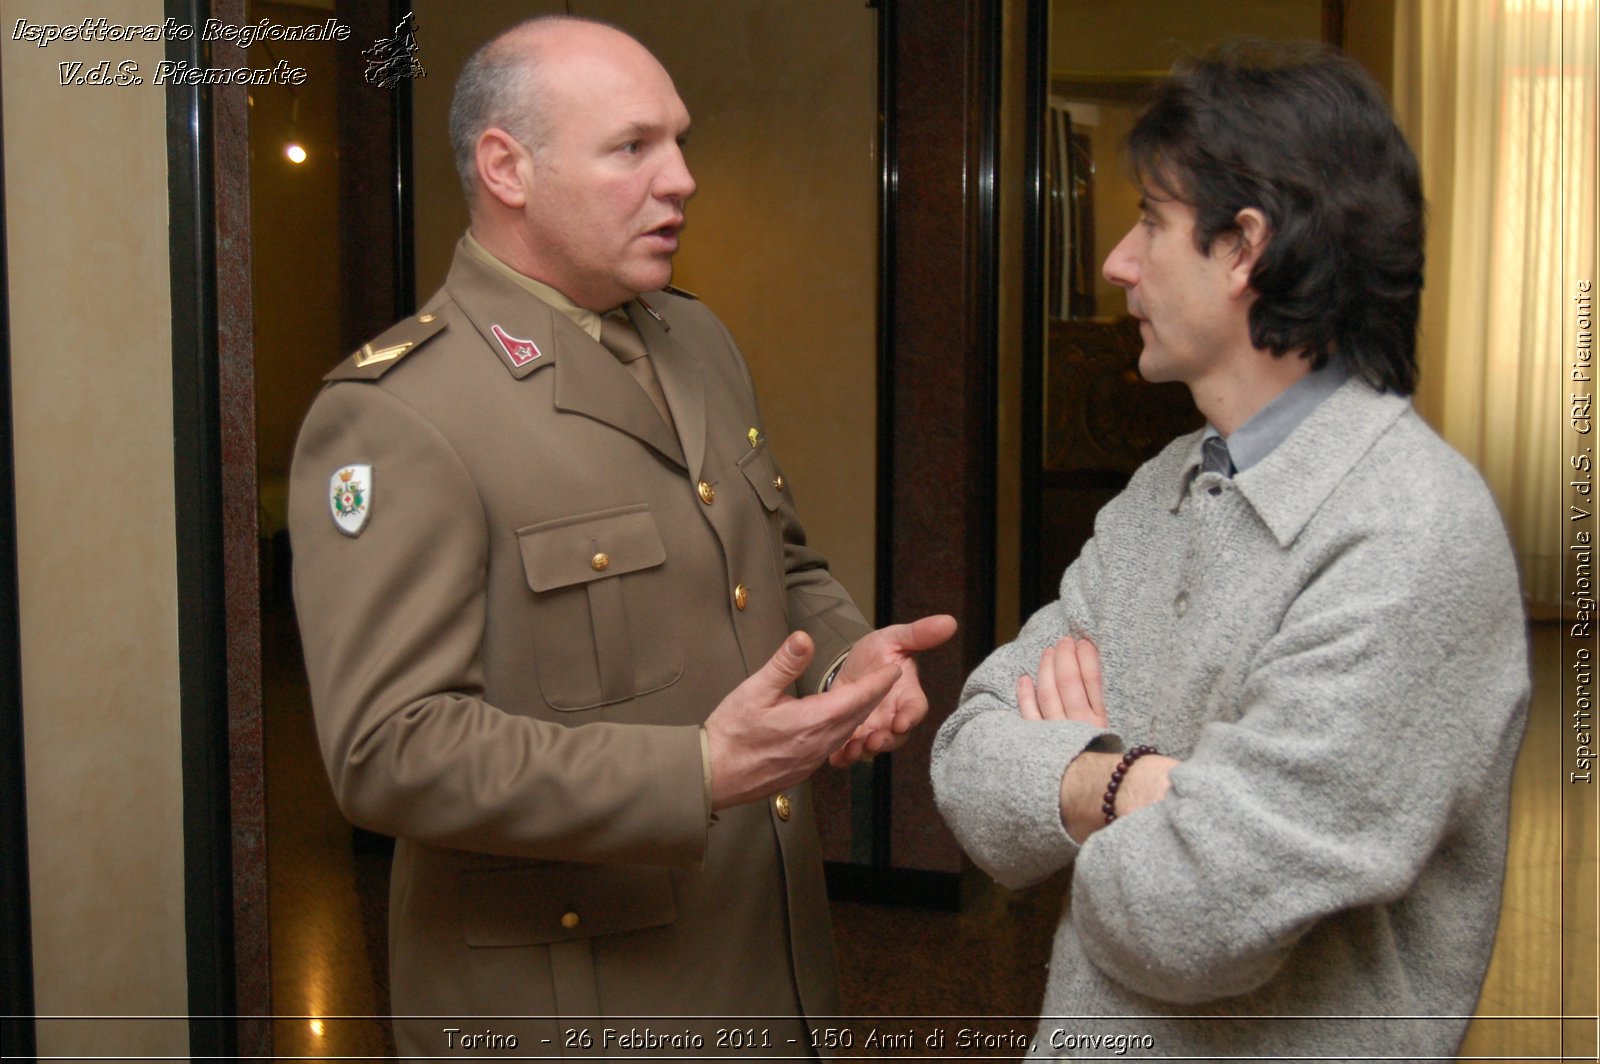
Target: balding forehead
571 54
551 37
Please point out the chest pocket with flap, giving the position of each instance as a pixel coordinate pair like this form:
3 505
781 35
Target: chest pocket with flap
595 597
762 473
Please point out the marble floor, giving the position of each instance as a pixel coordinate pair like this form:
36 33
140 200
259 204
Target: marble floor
329 901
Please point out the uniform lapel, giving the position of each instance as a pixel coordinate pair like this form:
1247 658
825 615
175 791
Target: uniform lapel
681 382
589 380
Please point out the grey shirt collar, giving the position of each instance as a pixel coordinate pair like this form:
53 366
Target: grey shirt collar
1272 424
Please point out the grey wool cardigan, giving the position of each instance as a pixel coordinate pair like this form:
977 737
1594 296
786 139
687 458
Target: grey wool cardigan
1333 644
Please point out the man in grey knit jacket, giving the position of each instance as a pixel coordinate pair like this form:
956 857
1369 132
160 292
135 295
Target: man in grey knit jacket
1309 609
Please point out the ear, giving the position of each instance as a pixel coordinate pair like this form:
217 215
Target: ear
501 172
1254 234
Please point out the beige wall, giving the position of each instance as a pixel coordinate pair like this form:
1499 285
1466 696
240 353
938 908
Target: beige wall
1146 36
92 392
782 237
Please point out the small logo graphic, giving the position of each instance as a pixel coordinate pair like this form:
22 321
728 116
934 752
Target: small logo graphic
520 352
392 60
350 498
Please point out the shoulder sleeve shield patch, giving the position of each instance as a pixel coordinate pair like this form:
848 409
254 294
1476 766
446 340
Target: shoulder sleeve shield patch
350 497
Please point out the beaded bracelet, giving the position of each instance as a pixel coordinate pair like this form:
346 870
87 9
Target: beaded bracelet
1109 805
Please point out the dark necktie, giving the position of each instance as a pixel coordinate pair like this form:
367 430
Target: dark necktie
1214 457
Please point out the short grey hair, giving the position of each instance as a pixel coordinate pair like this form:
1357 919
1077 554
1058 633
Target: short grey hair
498 88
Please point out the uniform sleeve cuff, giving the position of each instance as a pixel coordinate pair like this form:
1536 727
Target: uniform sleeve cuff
705 771
833 671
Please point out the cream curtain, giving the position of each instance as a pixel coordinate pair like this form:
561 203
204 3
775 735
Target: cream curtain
1498 99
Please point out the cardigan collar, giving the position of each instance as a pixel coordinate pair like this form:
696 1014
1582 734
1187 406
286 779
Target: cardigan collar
1289 485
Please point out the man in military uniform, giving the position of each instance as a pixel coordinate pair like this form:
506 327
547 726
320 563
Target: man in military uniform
557 605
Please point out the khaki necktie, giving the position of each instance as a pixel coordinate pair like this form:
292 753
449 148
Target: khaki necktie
618 336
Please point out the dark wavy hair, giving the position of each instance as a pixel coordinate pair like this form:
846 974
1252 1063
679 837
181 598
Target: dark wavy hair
1304 135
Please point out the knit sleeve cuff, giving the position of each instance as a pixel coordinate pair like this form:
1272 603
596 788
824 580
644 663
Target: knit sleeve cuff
998 784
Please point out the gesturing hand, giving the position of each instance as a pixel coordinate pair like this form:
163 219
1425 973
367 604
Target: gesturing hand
1069 685
906 704
763 739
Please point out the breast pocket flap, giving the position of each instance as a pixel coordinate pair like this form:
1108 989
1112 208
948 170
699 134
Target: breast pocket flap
576 550
762 473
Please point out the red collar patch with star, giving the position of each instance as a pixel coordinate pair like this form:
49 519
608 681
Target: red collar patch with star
520 352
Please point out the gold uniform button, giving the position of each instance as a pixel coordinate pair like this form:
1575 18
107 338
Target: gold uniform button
600 561
424 318
741 596
708 494
569 921
783 806
777 482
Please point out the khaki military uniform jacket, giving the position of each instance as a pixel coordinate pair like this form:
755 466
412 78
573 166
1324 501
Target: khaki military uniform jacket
547 591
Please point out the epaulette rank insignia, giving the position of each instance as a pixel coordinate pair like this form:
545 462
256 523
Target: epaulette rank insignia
376 357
